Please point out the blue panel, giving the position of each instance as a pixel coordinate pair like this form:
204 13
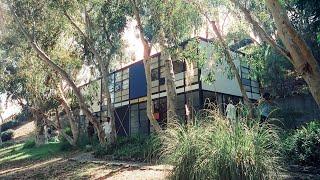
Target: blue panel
137 81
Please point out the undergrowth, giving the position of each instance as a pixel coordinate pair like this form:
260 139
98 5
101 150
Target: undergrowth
215 149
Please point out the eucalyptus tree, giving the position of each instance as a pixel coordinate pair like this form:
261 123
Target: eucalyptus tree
31 84
212 11
1 121
36 24
138 9
167 24
292 46
103 24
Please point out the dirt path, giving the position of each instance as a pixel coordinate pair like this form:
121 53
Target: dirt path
67 167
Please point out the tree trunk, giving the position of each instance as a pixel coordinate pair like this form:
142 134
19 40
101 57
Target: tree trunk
73 124
171 88
46 60
40 138
110 109
233 67
104 71
147 68
61 132
1 121
150 110
170 79
301 56
41 120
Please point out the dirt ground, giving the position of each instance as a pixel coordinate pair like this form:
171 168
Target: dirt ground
62 167
82 165
72 165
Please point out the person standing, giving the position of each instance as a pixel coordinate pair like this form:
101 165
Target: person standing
231 112
107 128
265 107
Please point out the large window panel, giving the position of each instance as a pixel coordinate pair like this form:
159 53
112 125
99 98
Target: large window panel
134 119
155 74
178 66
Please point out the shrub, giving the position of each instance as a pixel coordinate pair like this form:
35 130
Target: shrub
7 135
6 144
214 149
29 144
143 148
9 125
302 146
65 145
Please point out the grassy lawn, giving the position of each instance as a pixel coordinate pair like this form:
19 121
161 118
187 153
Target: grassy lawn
16 152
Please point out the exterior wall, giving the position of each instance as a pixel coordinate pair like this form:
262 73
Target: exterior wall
223 83
128 92
297 109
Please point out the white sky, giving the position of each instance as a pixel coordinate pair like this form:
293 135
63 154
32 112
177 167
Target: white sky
11 108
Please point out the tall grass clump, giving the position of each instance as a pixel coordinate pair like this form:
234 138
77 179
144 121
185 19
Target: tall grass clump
214 148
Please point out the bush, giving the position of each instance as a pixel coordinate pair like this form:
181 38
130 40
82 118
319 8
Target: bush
302 146
29 144
9 125
6 144
65 145
7 135
143 148
213 149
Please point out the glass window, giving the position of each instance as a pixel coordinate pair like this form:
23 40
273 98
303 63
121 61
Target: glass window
118 76
246 82
178 66
118 86
125 84
155 74
162 81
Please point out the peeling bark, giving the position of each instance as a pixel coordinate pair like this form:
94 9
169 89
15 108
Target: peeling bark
301 56
170 80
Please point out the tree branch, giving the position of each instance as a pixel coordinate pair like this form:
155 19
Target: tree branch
263 35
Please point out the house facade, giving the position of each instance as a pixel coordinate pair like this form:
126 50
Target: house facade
128 91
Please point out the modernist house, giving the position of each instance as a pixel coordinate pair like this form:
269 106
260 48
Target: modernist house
128 91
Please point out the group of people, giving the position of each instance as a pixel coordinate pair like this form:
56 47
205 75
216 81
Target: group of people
264 108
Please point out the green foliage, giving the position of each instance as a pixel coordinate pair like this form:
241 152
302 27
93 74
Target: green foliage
302 146
9 125
30 143
140 148
214 149
6 144
6 135
65 145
